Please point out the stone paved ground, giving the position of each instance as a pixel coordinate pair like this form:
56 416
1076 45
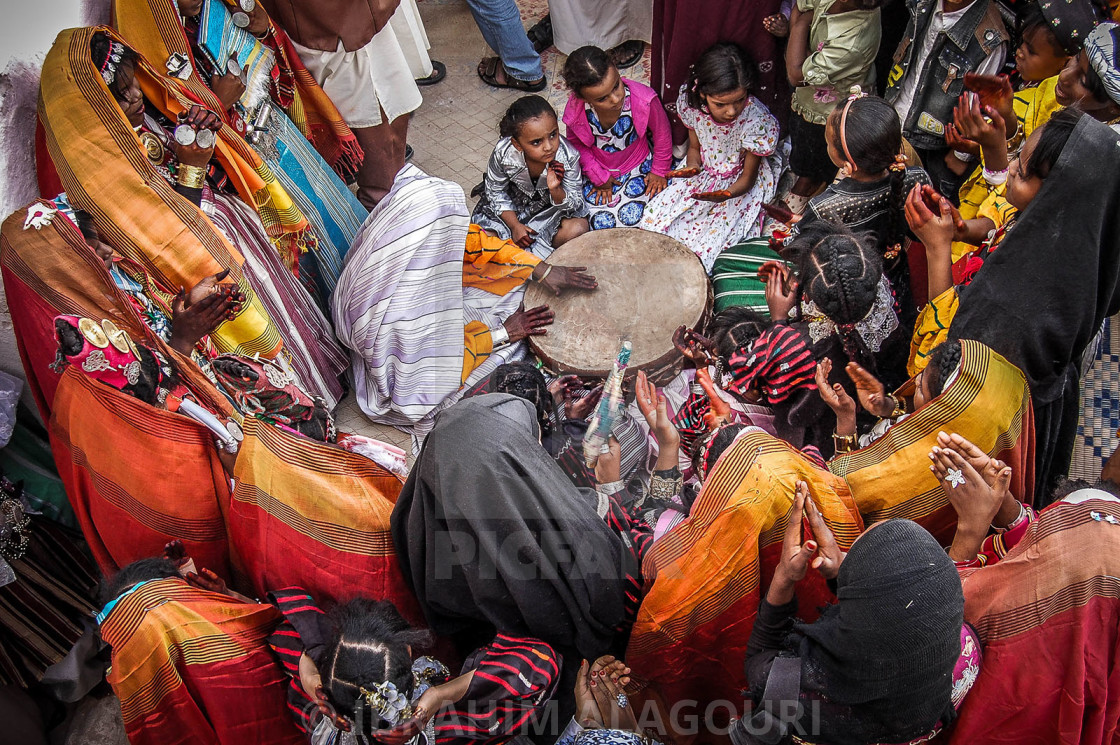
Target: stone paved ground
453 134
455 130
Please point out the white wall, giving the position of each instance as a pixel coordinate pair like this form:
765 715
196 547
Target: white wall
27 31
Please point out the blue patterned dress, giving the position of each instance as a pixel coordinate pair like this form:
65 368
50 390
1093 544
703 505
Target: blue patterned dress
628 200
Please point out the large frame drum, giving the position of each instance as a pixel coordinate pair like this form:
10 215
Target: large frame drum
649 284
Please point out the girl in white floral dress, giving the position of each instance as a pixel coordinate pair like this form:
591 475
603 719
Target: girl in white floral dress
716 200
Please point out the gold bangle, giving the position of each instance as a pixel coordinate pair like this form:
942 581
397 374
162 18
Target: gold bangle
845 443
192 177
899 407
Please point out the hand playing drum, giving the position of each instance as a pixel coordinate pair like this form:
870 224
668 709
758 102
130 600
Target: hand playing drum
558 278
532 322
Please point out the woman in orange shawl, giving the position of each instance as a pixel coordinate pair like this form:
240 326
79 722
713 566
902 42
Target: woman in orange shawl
704 577
192 667
271 102
1048 615
118 170
154 29
987 402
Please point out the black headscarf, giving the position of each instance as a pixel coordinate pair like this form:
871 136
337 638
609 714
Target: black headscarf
1043 294
492 535
886 651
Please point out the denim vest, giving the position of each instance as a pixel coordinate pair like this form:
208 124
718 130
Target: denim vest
958 50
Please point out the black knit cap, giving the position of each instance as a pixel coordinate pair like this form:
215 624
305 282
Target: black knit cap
1071 21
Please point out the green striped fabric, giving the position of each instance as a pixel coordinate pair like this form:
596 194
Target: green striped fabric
735 276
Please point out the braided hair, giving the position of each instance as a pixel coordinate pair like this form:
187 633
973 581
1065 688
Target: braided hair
585 67
371 646
736 328
524 380
943 361
521 111
872 140
840 273
723 68
705 451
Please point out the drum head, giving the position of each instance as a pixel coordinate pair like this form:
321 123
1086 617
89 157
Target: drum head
649 284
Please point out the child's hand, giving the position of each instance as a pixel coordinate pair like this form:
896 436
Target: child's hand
780 293
722 195
688 172
603 193
983 125
522 235
837 399
935 231
871 391
994 91
777 25
956 142
555 175
655 185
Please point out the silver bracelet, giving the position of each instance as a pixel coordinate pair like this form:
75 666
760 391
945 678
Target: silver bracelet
611 487
499 337
963 157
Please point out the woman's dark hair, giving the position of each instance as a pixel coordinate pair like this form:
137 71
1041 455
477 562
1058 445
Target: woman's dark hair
1055 135
99 51
524 380
735 328
723 68
943 361
370 646
585 67
840 272
873 135
138 571
1067 486
704 455
86 225
521 111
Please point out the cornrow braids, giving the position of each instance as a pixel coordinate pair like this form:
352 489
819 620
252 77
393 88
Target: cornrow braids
735 328
943 361
371 646
840 272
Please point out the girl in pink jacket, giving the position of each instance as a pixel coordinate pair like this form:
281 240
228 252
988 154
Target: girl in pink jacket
622 134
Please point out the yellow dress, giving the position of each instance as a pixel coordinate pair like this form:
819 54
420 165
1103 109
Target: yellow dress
1033 107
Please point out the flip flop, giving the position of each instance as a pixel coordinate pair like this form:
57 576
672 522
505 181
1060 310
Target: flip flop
627 54
488 71
439 72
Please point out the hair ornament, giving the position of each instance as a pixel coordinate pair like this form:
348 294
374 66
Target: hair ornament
855 93
387 702
112 61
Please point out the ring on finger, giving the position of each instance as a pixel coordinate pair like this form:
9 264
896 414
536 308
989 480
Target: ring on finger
622 701
954 477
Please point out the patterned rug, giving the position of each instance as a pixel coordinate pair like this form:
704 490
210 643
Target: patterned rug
1100 408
